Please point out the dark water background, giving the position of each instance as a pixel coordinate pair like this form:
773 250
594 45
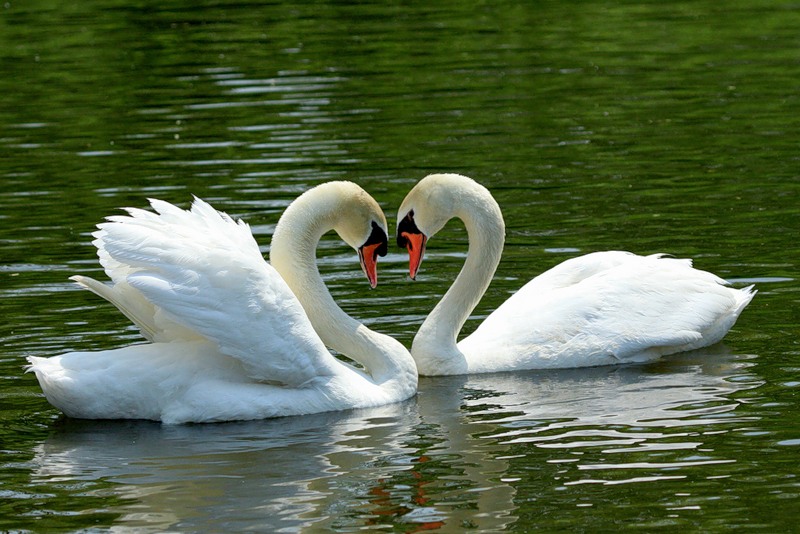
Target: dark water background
644 126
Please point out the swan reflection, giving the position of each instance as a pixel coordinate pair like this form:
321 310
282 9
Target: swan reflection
449 458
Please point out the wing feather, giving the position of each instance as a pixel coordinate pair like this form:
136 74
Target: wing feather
612 305
204 271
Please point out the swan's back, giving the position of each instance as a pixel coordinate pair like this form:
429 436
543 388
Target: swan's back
606 308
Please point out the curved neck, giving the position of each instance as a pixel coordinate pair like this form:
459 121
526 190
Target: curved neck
435 345
293 255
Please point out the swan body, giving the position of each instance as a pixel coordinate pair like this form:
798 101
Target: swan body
599 309
231 337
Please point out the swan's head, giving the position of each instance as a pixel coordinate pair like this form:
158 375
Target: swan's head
435 199
340 206
360 222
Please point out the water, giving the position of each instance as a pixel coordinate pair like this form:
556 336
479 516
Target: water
637 126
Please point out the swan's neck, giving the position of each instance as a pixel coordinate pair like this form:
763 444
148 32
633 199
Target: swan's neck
293 254
435 345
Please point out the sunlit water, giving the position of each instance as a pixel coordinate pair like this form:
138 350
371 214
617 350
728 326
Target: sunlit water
645 127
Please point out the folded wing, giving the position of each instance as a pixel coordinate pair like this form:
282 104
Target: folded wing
611 306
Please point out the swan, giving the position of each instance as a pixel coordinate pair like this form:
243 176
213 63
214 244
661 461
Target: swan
231 337
599 309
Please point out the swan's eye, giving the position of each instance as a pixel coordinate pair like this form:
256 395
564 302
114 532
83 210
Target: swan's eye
378 237
406 227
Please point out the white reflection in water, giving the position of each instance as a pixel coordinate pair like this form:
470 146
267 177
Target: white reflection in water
418 462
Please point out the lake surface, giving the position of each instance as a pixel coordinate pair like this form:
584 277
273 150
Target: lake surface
641 126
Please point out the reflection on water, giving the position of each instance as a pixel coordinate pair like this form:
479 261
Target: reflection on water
444 459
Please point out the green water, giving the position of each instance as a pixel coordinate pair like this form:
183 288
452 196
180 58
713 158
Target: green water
641 126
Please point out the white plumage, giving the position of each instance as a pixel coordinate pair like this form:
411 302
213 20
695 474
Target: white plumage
605 308
229 339
598 309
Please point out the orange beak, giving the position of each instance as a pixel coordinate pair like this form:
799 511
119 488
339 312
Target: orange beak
368 255
415 243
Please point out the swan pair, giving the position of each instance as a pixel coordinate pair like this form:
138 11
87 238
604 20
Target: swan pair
233 337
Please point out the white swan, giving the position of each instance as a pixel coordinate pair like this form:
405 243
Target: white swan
598 309
230 337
